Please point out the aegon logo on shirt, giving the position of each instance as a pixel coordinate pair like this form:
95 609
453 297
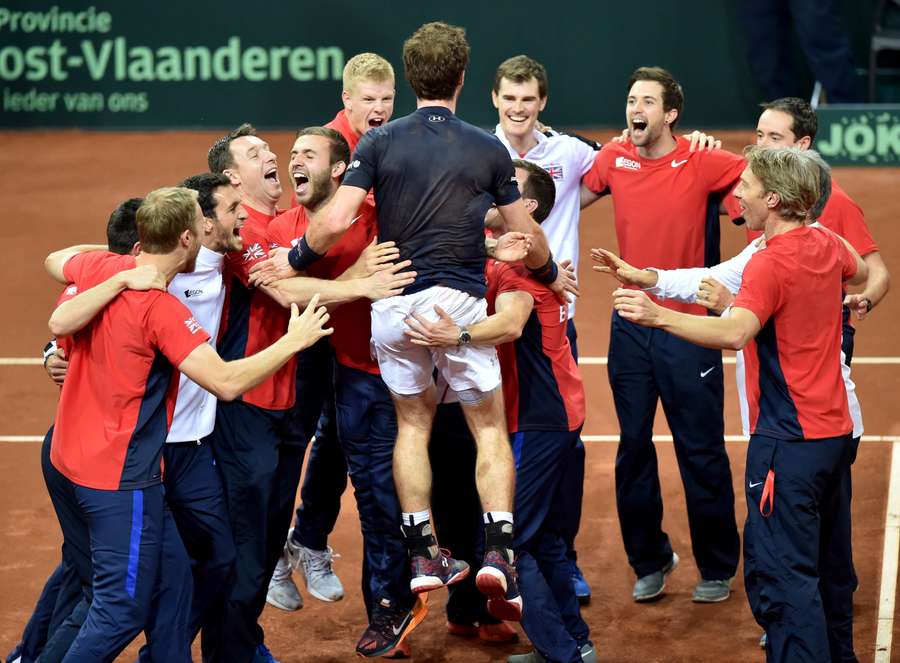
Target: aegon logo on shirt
193 293
353 164
192 325
623 162
436 118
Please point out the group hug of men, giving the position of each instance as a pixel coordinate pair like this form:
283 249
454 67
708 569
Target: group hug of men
435 363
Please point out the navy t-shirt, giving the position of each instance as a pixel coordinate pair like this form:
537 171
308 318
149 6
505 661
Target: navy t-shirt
435 177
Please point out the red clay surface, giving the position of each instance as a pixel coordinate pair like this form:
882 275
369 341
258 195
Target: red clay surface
58 190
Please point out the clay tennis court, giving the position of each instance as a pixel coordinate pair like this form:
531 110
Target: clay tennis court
58 189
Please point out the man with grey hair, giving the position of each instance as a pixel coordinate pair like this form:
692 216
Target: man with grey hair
798 413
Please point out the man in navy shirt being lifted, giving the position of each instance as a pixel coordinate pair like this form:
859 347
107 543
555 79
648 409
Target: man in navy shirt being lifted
434 177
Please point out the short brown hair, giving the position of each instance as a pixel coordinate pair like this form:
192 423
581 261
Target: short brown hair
672 97
519 69
435 57
163 216
539 187
338 149
219 158
367 67
790 173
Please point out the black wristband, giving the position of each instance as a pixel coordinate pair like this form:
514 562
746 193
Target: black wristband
546 274
301 256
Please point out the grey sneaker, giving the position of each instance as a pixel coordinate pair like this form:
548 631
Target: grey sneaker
711 591
648 587
588 655
315 567
283 592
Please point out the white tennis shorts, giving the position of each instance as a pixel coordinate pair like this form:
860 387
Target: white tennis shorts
407 369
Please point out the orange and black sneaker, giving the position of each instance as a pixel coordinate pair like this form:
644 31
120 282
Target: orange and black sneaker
389 627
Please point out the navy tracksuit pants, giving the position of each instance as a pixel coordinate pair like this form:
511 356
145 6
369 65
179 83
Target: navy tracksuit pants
798 568
260 470
367 429
551 618
646 366
194 496
326 468
126 549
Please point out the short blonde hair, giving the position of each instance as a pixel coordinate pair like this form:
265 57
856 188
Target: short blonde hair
163 216
367 67
789 172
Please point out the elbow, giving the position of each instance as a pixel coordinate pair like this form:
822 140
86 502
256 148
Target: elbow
56 328
226 392
736 340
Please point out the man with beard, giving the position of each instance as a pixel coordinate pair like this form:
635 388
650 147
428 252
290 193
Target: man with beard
106 482
660 191
368 98
366 422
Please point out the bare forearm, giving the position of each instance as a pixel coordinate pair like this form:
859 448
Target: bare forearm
879 280
709 332
73 315
55 262
495 330
228 380
300 290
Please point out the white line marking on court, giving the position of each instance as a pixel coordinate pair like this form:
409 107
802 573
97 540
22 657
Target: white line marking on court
739 438
582 361
887 595
21 438
877 361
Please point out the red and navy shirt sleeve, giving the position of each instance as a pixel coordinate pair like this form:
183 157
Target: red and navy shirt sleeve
173 329
760 291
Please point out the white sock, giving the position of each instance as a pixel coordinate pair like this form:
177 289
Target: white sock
497 516
416 517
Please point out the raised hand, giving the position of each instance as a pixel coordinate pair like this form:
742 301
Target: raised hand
610 263
566 284
700 142
306 328
636 306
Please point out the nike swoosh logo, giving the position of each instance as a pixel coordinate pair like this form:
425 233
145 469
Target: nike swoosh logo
675 164
754 485
703 374
354 220
396 630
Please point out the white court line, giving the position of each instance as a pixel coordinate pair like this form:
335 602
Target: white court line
878 361
582 361
732 438
887 595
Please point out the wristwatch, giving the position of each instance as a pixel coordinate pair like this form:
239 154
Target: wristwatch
464 337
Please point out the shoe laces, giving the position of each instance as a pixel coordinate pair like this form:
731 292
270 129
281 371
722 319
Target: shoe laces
282 570
319 562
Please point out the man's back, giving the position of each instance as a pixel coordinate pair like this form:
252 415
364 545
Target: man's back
435 177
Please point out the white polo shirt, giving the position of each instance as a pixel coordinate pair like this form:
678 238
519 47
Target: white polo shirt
567 159
203 292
